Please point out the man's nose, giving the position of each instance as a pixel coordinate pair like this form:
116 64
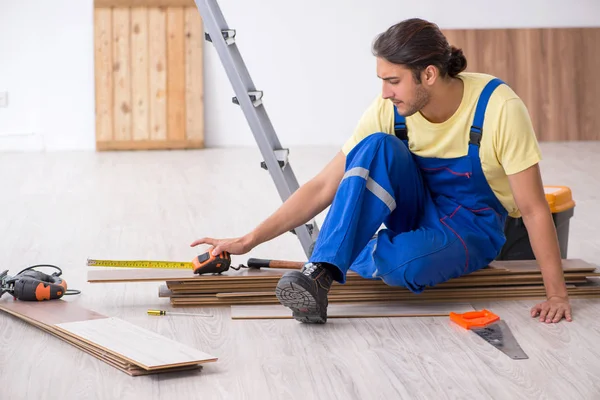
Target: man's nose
386 93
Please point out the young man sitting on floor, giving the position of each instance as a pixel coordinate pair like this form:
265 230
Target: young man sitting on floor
441 158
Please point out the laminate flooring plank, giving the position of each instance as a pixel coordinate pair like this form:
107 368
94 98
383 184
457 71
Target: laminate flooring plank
112 360
140 346
526 266
137 275
490 285
91 349
439 295
50 312
156 274
233 290
356 310
59 318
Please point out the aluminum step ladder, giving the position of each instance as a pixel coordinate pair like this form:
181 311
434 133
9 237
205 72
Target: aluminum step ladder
250 100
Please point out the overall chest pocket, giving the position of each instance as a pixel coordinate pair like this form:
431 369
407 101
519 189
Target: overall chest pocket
450 178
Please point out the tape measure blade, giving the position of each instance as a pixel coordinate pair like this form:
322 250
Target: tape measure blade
140 264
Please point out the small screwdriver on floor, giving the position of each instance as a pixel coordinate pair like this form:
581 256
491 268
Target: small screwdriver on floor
163 312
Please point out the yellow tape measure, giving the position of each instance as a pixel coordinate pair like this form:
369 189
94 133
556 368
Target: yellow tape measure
140 264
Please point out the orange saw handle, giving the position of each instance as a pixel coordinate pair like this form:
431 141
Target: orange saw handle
474 319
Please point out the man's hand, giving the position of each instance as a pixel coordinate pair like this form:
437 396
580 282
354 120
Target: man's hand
528 192
553 310
240 245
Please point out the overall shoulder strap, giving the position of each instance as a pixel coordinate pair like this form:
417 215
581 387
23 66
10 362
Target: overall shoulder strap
484 97
400 126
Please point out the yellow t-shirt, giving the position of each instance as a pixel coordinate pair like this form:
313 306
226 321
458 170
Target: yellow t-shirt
508 144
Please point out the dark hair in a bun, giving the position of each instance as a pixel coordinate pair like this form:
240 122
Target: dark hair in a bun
457 62
416 44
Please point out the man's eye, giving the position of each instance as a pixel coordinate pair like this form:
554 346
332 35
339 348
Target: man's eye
394 82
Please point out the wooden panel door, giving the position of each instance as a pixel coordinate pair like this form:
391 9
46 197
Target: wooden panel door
148 75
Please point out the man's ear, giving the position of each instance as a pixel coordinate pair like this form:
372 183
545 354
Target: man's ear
429 75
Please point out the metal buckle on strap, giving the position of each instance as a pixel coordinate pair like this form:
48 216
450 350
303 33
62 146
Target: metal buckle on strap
401 132
475 136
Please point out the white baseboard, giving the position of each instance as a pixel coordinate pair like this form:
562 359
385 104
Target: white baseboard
22 142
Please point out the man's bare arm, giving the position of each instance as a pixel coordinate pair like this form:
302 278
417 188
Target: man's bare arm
303 205
528 192
307 202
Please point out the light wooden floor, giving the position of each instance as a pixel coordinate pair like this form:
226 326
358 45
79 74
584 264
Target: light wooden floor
64 208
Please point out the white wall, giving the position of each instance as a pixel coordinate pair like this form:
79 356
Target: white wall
50 80
311 58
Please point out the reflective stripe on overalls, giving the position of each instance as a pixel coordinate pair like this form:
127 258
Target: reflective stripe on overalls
442 219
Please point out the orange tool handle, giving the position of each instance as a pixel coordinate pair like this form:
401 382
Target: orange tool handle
474 319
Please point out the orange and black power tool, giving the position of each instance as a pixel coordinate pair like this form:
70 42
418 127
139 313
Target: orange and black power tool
31 285
208 263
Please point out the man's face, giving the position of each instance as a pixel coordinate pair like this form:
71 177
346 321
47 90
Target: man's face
399 86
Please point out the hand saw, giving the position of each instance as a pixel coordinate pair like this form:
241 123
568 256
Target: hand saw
490 328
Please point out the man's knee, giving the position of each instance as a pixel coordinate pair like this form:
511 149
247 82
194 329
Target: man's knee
385 144
381 139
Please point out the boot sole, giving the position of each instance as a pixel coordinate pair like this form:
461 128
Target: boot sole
293 291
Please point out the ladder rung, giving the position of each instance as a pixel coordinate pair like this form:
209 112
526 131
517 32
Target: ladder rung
228 35
255 96
282 158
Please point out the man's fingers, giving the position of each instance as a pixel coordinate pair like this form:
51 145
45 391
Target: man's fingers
197 242
544 312
559 315
535 310
203 241
568 315
217 250
551 314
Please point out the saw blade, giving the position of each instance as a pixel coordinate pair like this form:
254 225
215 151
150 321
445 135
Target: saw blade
499 335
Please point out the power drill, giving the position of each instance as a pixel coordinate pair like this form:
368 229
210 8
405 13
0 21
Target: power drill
31 285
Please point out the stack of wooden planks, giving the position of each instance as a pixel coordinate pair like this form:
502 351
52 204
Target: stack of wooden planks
127 347
508 280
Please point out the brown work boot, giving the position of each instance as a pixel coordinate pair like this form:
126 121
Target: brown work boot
305 293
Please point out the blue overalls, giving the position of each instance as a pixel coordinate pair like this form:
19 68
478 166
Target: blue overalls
442 219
